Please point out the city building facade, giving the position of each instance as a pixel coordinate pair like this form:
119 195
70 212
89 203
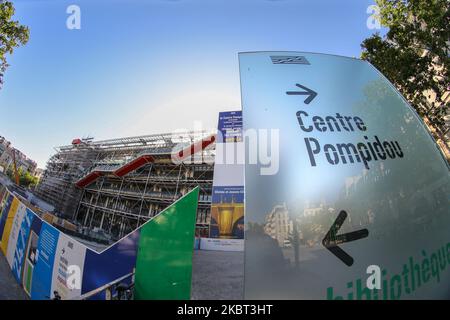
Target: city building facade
117 185
7 155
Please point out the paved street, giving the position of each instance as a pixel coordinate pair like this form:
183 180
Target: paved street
217 275
9 288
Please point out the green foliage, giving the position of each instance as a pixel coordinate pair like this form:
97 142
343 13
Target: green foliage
12 34
414 53
26 179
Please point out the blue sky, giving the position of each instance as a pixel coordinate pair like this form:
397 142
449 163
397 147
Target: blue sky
148 66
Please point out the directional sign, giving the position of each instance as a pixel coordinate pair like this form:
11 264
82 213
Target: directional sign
332 240
347 177
308 92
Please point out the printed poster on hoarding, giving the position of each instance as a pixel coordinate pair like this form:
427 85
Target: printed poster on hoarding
227 212
8 225
45 257
227 206
3 194
230 127
21 243
4 208
14 233
4 214
31 254
68 267
111 264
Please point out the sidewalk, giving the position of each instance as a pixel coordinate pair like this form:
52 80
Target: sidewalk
217 275
9 288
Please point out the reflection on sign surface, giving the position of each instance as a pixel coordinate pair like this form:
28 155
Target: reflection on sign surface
354 147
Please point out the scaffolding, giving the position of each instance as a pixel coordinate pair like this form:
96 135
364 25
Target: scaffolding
116 185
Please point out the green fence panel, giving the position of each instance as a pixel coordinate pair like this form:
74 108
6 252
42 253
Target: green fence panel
164 260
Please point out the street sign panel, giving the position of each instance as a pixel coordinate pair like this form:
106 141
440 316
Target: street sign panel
361 185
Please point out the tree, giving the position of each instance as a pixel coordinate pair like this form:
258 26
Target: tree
414 54
12 35
26 179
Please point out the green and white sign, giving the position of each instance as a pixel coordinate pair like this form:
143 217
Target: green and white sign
164 259
360 205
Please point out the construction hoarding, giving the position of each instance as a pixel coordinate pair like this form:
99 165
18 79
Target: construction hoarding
47 262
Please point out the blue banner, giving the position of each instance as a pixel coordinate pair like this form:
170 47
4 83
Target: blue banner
4 214
113 263
22 241
230 127
45 256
